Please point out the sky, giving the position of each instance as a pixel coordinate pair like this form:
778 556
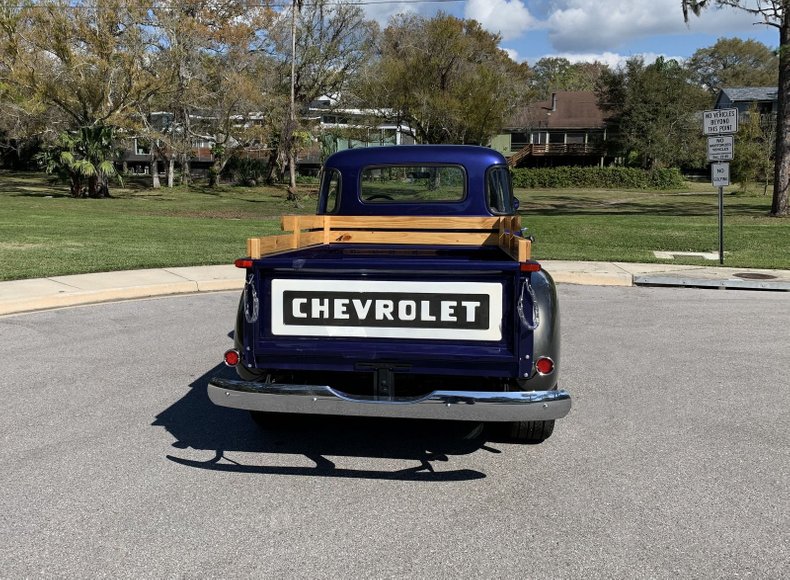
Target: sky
608 31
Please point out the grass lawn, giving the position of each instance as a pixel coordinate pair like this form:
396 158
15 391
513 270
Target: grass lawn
627 226
43 232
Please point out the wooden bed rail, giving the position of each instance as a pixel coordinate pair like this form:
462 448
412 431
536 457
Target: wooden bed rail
311 230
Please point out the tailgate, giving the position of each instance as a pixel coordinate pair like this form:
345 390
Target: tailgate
418 310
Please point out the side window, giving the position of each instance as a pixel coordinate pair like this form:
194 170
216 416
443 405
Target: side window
330 190
499 192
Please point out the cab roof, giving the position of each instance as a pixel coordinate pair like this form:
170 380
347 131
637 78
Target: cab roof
475 161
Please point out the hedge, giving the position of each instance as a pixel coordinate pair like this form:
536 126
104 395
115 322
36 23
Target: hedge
598 178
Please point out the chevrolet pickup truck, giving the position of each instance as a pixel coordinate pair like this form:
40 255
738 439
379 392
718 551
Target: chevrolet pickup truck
410 294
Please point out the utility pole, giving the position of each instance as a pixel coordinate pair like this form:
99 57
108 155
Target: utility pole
296 5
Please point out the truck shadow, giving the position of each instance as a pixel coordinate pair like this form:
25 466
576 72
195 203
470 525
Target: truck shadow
198 424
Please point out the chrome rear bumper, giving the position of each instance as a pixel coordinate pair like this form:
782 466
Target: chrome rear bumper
448 405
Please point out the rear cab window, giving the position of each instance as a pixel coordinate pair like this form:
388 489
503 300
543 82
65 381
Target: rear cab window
412 184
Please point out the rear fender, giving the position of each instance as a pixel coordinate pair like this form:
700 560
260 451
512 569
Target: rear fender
546 337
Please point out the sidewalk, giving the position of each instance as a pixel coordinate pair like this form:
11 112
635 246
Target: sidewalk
60 291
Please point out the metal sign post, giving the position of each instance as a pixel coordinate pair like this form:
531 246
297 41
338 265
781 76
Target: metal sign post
720 176
720 124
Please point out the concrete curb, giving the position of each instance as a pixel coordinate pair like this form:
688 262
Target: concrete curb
20 296
62 291
588 273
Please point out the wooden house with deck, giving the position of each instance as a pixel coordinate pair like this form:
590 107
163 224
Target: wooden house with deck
567 129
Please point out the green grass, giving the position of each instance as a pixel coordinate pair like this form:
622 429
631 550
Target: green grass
627 226
45 233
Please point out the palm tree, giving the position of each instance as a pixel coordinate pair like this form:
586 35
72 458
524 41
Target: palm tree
85 157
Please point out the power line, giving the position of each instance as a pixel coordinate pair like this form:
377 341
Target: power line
283 4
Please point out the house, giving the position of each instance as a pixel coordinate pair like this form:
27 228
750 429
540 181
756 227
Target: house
766 99
567 129
336 129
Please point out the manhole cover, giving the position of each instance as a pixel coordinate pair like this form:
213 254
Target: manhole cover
754 276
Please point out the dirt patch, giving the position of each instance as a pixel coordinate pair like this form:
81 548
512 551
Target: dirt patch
215 214
20 246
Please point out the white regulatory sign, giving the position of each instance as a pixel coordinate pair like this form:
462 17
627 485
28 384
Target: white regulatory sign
720 148
720 174
720 122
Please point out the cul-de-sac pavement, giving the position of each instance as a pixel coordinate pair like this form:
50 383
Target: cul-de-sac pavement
674 461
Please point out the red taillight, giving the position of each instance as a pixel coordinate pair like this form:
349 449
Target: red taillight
544 365
232 358
530 267
243 263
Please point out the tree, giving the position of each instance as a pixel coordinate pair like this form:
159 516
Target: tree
86 59
755 148
85 158
315 53
772 13
733 62
75 70
229 81
446 78
177 34
551 74
654 110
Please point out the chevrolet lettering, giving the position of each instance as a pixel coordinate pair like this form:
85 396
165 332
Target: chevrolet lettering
425 311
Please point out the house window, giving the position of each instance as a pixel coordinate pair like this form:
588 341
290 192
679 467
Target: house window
765 108
518 140
141 147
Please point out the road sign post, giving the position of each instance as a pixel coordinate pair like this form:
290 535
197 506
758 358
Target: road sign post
720 176
719 125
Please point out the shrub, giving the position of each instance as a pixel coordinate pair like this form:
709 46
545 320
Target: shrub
597 178
244 171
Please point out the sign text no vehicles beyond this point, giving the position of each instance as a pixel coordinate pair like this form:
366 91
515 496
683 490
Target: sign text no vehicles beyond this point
720 122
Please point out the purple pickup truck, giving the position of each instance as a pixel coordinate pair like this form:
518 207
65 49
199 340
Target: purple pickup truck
410 294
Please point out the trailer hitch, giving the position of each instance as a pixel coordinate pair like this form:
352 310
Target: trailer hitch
383 378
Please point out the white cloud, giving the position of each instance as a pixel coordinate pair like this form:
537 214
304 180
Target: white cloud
512 54
508 18
581 25
612 59
382 13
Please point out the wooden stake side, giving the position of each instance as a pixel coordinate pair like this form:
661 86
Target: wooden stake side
304 231
294 222
401 238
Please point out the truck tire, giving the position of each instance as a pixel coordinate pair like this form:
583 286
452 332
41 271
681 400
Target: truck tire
530 431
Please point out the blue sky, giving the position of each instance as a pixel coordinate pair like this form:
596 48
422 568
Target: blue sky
587 30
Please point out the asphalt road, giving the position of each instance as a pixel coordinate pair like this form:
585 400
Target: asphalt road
674 461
